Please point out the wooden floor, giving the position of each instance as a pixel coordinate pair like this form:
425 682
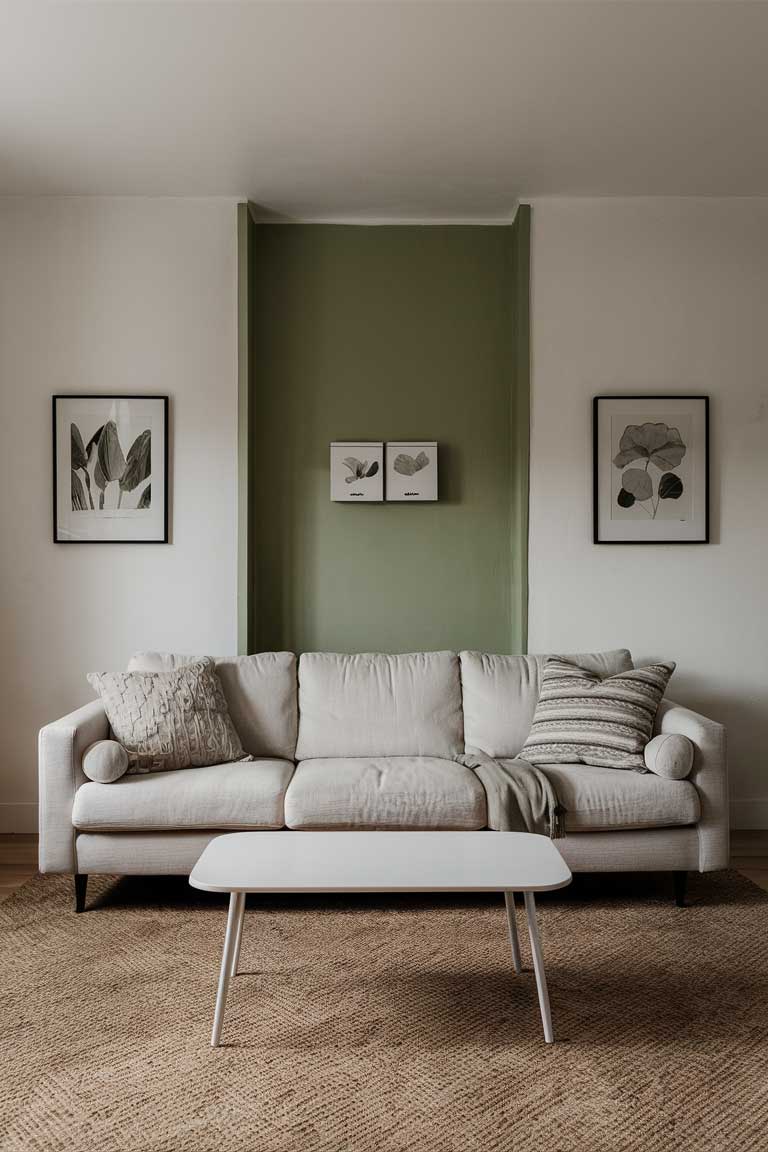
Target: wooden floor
749 855
18 859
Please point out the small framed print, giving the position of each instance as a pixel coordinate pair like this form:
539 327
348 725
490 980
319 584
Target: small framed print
110 469
357 471
412 470
651 469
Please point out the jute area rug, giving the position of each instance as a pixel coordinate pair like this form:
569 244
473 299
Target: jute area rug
384 1023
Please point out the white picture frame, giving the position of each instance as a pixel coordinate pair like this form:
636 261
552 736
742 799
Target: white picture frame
411 470
357 471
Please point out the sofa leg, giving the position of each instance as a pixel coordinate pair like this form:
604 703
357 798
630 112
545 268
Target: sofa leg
81 883
680 881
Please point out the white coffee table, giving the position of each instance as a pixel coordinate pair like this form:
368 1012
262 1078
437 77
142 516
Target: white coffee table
507 862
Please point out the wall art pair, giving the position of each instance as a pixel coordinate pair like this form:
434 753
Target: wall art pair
369 471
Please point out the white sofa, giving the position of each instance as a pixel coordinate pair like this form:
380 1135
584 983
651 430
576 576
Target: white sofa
367 741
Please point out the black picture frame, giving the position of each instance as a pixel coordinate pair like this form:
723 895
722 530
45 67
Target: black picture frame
644 398
111 396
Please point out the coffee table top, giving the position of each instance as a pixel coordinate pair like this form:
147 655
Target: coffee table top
380 862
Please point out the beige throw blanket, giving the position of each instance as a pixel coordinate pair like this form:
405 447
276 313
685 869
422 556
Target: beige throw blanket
520 797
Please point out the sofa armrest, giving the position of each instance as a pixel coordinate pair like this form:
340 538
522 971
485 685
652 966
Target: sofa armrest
60 752
710 777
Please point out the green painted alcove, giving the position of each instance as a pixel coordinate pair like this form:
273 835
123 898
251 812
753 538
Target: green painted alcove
383 333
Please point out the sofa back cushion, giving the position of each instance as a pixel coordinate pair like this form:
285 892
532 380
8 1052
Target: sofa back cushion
500 695
373 704
260 691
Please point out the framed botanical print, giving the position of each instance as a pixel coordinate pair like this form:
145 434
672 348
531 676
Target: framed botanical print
357 471
110 469
651 469
411 470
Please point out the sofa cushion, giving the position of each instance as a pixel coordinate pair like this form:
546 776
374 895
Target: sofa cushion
669 754
242 795
372 704
260 691
598 799
170 720
500 695
583 718
384 792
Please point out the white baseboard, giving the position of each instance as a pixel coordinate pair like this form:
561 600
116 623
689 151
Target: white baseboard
749 813
18 816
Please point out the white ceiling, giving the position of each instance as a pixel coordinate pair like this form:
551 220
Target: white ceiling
385 109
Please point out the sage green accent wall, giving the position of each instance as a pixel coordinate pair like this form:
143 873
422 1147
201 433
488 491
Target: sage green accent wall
386 333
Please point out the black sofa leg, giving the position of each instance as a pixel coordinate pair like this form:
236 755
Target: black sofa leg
81 883
681 882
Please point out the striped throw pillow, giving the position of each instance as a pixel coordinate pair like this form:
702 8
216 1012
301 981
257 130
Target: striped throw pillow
583 719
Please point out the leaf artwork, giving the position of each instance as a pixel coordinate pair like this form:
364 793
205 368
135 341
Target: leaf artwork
93 443
111 459
78 493
138 464
657 444
638 483
101 481
79 460
110 462
408 465
670 487
102 459
359 469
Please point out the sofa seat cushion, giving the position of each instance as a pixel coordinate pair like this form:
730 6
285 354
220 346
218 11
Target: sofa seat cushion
385 792
598 799
242 795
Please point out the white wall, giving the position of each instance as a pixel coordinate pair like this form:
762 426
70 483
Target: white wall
658 296
110 295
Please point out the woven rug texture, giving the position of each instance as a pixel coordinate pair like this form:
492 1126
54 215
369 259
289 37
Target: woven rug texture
384 1023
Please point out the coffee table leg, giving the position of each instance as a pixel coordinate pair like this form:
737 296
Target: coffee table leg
538 966
238 936
236 902
509 900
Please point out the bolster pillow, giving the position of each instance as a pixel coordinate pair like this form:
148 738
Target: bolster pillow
669 755
105 761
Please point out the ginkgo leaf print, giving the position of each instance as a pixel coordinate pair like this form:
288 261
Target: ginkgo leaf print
657 443
670 487
638 482
652 443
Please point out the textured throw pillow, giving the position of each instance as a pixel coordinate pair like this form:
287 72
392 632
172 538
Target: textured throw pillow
105 761
583 719
669 754
170 720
